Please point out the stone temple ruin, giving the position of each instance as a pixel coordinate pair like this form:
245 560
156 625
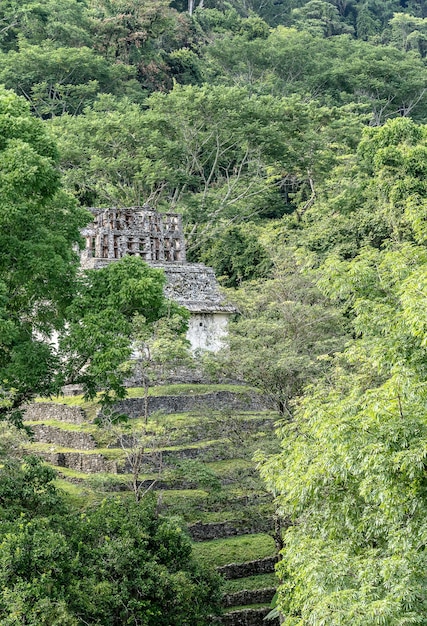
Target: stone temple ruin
158 239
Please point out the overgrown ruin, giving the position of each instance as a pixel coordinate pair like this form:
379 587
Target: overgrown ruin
158 239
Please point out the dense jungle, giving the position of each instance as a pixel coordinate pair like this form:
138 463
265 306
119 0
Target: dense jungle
291 135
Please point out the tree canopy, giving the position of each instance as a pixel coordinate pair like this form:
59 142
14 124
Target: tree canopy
118 562
351 477
292 138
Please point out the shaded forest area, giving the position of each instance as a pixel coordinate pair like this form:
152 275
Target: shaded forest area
292 137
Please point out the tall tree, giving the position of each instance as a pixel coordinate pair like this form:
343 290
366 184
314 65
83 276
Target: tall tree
39 226
351 476
284 336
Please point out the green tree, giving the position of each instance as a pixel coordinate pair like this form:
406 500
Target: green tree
97 343
351 476
320 18
237 255
117 562
144 35
61 21
39 227
284 335
333 71
57 80
220 155
409 32
41 298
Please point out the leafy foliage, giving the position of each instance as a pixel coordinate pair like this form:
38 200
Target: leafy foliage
37 264
351 476
284 335
235 114
97 344
115 563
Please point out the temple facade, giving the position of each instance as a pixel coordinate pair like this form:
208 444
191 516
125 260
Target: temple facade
158 239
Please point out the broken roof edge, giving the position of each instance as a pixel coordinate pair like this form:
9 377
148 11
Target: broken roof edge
196 307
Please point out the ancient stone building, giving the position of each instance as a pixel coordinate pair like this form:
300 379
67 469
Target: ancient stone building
158 239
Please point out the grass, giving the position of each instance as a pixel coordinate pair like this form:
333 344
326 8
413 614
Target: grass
234 549
69 473
200 445
173 496
229 466
86 427
246 513
187 389
261 581
74 494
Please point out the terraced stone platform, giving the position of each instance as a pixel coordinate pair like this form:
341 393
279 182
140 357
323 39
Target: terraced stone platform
198 459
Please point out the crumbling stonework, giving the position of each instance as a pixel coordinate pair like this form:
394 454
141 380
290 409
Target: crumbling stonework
89 463
250 568
246 597
44 433
247 617
221 530
45 411
158 239
134 407
137 231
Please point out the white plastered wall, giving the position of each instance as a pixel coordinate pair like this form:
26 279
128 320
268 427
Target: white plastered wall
207 331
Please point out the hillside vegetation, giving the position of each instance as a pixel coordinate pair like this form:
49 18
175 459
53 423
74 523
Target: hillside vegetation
291 136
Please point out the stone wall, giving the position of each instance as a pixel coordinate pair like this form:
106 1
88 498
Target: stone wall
63 438
216 530
219 400
208 331
250 568
89 463
40 411
247 617
246 597
216 429
134 407
214 452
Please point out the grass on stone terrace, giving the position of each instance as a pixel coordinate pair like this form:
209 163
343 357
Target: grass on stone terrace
235 549
159 390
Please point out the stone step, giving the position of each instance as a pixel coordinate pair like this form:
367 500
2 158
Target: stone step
84 457
92 462
222 428
215 401
200 531
250 568
46 411
215 451
67 438
208 429
89 463
249 596
44 433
